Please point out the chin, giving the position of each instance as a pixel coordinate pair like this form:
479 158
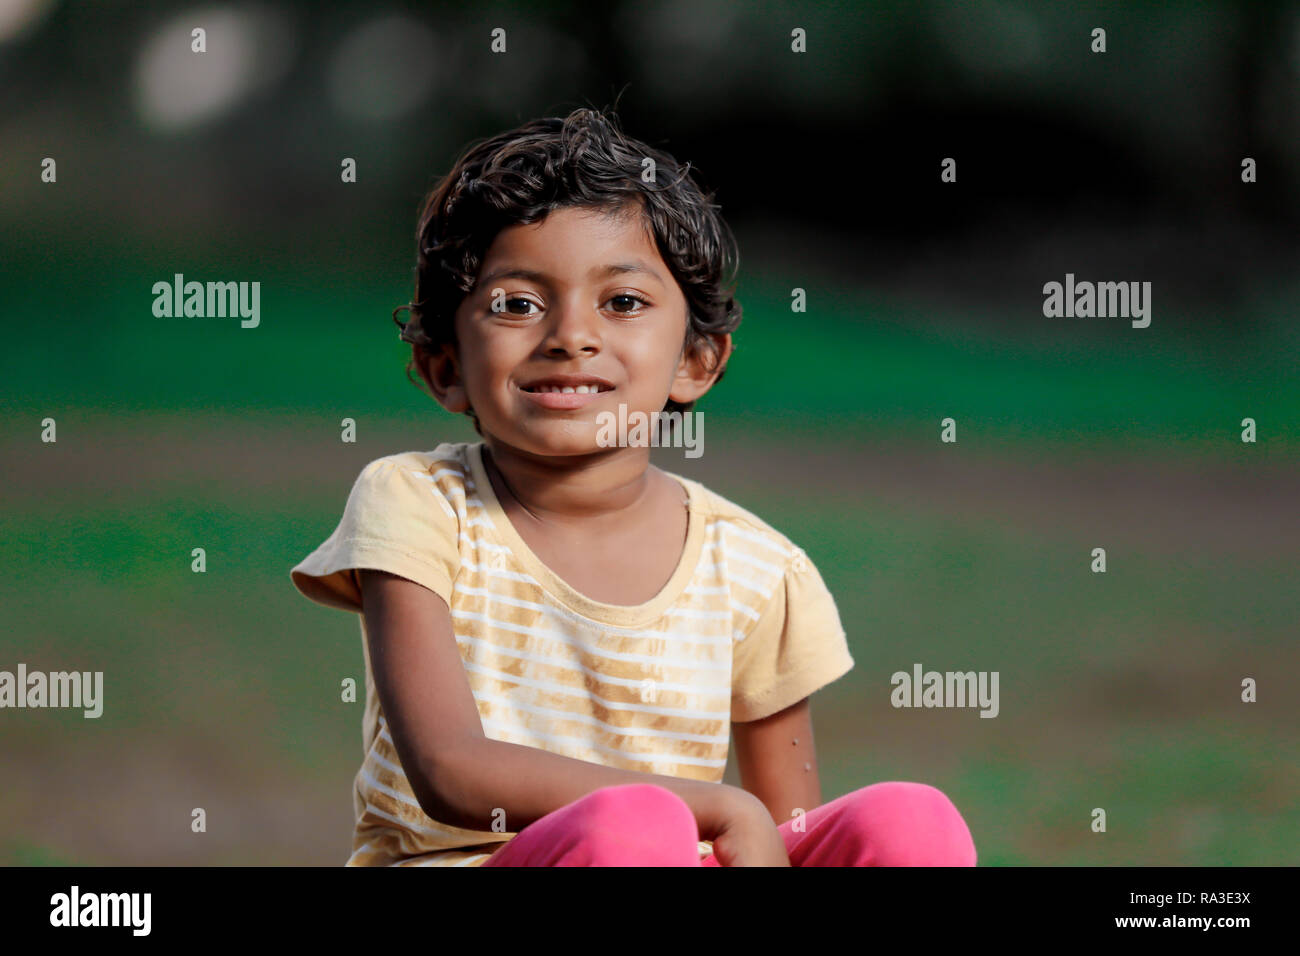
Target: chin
555 441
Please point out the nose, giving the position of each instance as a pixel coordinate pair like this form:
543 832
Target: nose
572 328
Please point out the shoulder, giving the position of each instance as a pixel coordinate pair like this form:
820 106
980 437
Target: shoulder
768 575
413 476
449 457
739 528
445 466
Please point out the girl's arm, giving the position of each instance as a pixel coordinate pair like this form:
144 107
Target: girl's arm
458 774
777 760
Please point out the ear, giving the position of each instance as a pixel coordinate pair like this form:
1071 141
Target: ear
441 372
699 368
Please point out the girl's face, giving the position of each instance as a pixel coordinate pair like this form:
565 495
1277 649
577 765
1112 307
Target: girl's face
581 298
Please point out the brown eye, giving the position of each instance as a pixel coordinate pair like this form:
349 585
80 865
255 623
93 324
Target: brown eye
509 311
628 298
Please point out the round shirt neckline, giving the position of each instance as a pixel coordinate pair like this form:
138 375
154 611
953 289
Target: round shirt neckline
559 589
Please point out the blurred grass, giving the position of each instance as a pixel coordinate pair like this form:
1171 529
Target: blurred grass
1117 690
20 853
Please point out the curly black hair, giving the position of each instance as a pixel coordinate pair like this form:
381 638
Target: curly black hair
583 160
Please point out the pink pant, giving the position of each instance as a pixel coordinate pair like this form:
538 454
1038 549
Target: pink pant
642 824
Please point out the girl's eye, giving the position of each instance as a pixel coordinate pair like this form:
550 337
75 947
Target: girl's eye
518 299
630 298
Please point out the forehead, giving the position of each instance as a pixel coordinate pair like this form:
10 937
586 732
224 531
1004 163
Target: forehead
571 240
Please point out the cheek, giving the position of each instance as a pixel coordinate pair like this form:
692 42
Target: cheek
491 365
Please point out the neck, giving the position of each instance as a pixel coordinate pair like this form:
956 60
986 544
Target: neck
566 488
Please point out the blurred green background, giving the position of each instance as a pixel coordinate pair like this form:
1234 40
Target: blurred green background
1118 690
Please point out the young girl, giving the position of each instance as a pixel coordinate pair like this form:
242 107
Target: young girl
559 637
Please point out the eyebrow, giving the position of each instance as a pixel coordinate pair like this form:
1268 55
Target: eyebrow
598 272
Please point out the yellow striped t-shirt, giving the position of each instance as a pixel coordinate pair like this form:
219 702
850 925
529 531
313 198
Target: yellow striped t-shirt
744 628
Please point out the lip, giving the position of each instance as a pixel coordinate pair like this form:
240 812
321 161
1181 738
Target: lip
564 401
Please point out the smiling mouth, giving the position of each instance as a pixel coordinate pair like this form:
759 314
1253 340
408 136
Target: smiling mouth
568 389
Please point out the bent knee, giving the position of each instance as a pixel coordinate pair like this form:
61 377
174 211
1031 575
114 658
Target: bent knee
646 809
913 824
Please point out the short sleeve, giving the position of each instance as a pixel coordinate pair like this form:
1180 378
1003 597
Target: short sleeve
396 520
796 647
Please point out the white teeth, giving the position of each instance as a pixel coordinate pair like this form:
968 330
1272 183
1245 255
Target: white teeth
568 389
